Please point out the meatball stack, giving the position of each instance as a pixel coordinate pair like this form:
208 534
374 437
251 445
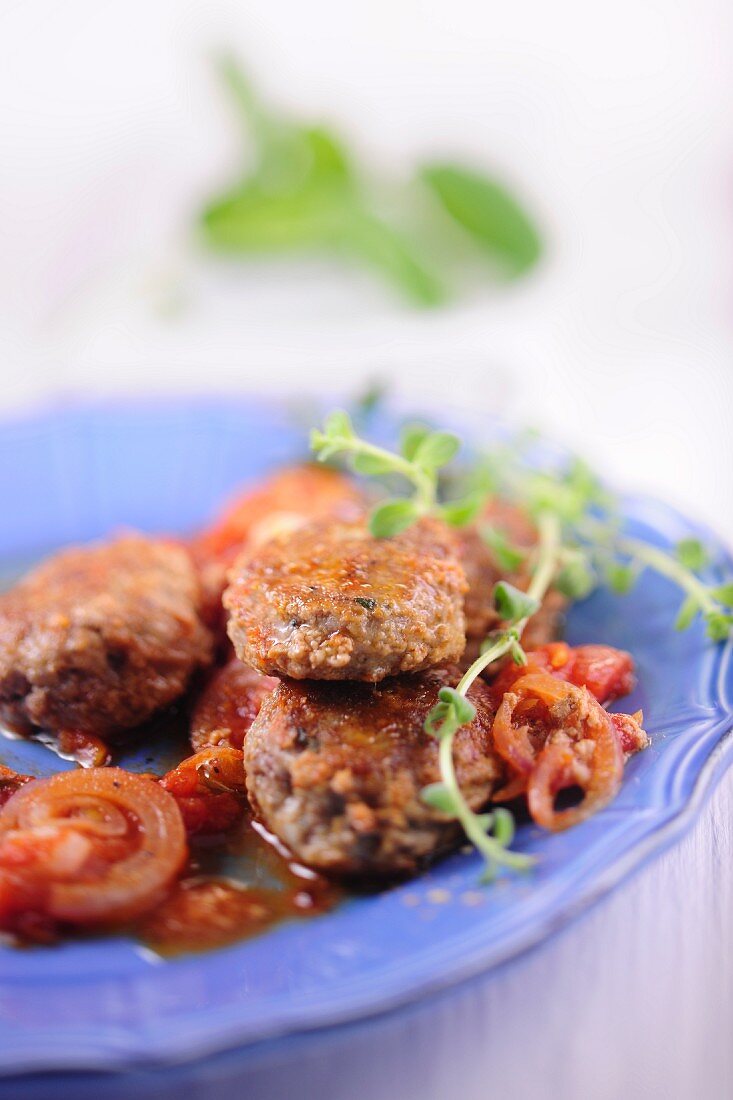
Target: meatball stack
362 633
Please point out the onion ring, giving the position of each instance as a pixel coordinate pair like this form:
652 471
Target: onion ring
573 742
89 847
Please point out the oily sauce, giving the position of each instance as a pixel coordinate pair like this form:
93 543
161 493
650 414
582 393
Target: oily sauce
236 885
233 889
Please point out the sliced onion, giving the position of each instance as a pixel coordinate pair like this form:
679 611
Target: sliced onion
575 744
91 847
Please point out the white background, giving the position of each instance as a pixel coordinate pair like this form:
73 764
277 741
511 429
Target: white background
614 119
615 122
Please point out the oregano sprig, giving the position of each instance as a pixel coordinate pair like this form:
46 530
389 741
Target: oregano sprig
490 834
423 453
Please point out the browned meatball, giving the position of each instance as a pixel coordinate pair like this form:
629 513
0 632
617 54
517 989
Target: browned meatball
330 602
483 571
336 770
228 705
98 638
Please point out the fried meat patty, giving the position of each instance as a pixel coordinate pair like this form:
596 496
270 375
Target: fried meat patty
331 602
228 705
98 638
336 770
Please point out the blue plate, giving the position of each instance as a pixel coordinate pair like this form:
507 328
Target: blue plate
79 472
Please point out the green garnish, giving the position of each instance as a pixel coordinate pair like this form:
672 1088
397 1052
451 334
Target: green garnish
581 543
305 190
423 453
490 834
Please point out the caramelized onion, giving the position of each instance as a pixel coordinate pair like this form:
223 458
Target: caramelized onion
88 847
569 741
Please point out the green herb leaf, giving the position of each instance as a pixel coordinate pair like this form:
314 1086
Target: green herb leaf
724 594
436 718
439 797
620 577
461 512
509 557
411 437
576 579
718 625
486 210
252 219
464 710
338 424
329 161
436 450
366 602
687 613
692 554
391 252
392 517
512 604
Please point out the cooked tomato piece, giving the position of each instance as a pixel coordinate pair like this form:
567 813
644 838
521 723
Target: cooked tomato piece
608 673
282 503
209 789
10 782
228 705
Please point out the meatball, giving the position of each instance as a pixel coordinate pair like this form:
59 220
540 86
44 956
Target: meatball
336 770
483 571
98 638
331 602
228 705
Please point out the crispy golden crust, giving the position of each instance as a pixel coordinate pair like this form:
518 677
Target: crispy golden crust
336 770
330 602
98 638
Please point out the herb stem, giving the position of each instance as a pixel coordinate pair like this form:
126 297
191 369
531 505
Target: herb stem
658 560
473 826
548 526
423 482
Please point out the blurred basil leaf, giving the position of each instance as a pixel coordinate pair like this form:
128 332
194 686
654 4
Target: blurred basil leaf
392 252
486 210
303 190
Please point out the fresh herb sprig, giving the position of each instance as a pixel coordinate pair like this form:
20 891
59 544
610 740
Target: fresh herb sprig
581 543
422 454
490 833
597 550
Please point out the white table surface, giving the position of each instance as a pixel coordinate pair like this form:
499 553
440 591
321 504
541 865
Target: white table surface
616 121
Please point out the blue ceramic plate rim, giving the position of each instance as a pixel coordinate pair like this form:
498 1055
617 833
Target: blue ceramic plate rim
691 777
